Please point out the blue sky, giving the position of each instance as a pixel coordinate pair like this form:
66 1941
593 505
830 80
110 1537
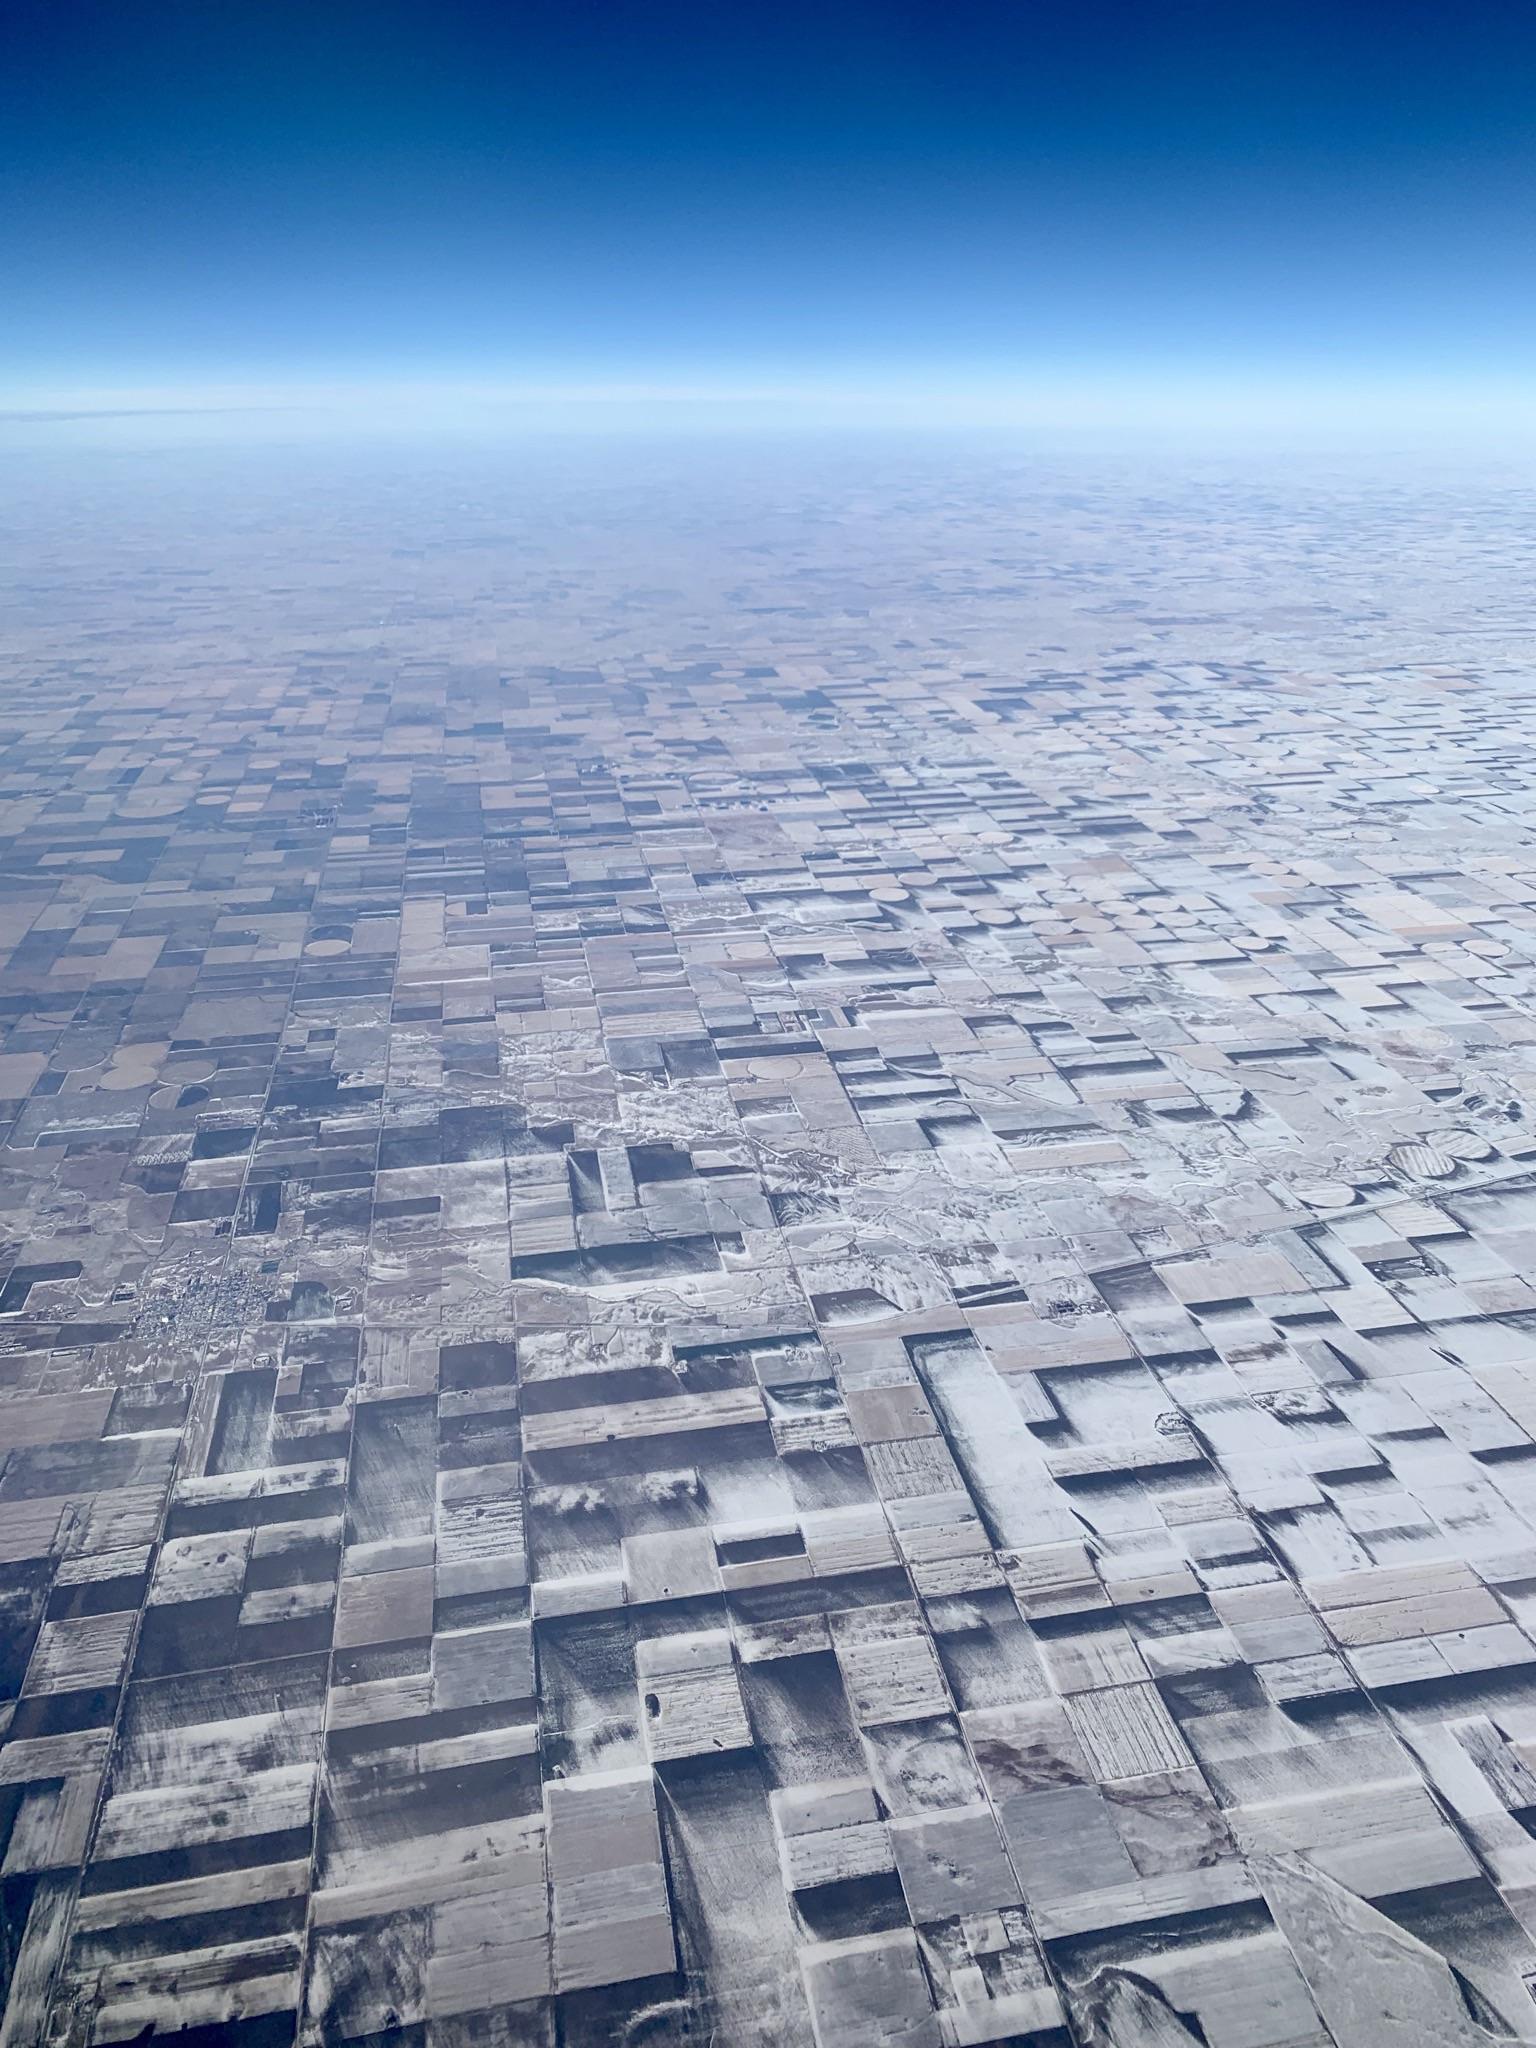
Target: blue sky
943 195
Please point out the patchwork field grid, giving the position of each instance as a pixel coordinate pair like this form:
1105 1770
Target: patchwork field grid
768 1261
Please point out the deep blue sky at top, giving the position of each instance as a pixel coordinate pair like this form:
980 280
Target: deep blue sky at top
653 189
